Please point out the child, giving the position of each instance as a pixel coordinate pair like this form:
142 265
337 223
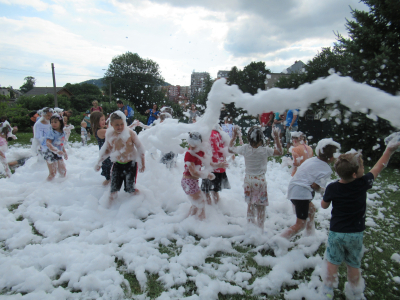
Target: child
300 151
345 241
312 175
5 136
84 134
55 148
88 125
41 128
67 129
168 159
98 121
228 127
256 158
190 179
220 182
124 148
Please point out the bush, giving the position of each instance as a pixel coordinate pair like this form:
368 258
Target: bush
40 101
16 114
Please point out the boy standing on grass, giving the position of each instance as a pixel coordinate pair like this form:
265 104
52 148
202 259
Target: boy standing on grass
311 176
349 200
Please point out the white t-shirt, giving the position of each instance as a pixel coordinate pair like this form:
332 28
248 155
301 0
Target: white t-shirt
255 158
312 170
41 131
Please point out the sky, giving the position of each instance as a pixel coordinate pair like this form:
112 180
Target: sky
82 36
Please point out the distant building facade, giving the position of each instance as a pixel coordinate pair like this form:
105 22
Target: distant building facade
223 74
272 78
48 90
297 67
197 83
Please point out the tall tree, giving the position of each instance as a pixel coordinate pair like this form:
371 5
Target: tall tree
28 85
251 78
374 43
135 79
83 89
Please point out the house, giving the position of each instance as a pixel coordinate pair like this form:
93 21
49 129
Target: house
5 91
297 67
48 90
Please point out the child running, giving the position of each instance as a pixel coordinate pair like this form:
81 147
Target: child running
124 149
345 241
98 121
311 176
67 129
300 150
55 152
256 158
190 179
84 134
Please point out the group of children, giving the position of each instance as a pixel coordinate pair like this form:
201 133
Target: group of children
122 156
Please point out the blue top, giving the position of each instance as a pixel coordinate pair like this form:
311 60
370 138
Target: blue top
152 117
57 138
289 117
87 120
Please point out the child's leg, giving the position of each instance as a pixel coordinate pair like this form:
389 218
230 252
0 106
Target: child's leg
198 205
251 213
52 170
331 277
293 230
260 215
208 197
310 225
302 212
215 196
353 276
62 170
355 286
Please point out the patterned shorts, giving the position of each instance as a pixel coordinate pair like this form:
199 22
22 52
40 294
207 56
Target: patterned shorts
190 186
345 247
255 189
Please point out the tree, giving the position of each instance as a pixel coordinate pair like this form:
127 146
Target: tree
374 44
83 89
28 85
134 79
251 78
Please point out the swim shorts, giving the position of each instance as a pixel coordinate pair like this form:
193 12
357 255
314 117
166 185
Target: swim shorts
345 247
51 157
219 183
302 207
123 173
190 186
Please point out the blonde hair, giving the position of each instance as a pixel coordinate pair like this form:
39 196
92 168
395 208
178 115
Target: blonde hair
83 124
348 164
95 102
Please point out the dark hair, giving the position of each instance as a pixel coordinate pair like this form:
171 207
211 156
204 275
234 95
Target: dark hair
348 164
65 116
114 117
328 152
94 121
59 118
120 102
195 136
3 119
255 136
5 130
155 105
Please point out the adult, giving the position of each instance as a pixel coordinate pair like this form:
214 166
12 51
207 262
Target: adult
291 125
96 107
193 114
300 150
127 110
278 123
153 114
266 120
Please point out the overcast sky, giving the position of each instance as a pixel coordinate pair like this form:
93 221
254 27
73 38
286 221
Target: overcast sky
82 36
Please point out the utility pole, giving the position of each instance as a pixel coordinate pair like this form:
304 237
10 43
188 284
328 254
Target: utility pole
54 86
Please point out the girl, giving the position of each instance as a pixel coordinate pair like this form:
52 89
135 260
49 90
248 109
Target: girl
41 129
190 179
55 148
5 135
67 129
256 158
99 129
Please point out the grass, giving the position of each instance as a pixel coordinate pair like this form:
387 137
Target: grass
378 268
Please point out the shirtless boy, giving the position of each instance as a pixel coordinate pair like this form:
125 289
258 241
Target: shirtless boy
124 149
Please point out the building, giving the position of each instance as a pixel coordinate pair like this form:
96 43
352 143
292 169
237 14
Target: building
223 74
297 67
272 78
48 90
197 83
4 91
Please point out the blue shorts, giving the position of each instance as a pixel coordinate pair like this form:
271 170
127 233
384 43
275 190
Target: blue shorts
345 247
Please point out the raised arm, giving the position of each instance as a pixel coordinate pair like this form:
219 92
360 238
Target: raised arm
140 150
233 140
384 160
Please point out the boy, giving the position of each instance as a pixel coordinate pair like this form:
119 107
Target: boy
124 148
300 150
84 135
311 176
345 241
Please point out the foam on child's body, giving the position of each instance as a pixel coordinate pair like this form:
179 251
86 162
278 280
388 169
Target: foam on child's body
325 142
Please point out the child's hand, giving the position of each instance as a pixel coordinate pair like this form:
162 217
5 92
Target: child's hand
141 170
211 176
60 153
223 165
97 168
65 156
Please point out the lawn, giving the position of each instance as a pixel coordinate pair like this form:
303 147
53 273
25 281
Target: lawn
245 266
